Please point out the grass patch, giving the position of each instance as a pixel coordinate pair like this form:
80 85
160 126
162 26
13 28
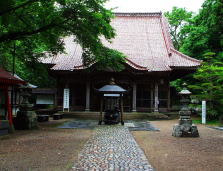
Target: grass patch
5 137
212 123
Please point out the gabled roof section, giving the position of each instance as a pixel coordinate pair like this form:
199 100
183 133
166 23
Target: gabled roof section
8 78
142 37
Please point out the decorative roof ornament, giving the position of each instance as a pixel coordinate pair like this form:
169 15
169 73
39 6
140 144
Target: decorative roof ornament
112 81
111 88
185 91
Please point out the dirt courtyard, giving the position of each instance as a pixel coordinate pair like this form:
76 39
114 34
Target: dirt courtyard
46 149
167 153
53 149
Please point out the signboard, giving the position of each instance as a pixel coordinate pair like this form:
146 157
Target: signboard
45 99
66 98
203 112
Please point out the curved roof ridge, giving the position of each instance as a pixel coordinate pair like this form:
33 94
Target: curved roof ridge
185 56
136 65
165 35
140 14
83 66
128 60
165 24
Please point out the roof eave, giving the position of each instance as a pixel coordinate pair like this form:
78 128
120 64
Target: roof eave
184 67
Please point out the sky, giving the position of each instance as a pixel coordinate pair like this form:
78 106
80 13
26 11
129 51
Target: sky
153 5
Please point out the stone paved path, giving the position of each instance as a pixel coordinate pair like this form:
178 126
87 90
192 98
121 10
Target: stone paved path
112 148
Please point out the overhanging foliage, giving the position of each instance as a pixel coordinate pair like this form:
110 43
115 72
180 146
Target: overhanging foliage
30 27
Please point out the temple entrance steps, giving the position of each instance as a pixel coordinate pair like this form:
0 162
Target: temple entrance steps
127 115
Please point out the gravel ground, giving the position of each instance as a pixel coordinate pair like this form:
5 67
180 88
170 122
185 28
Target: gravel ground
167 153
46 149
52 149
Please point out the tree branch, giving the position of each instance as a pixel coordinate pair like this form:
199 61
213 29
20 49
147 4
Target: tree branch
17 7
21 34
17 35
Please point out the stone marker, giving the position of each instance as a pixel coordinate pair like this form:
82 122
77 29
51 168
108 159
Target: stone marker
185 128
203 112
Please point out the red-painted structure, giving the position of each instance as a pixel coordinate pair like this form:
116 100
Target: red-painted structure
7 80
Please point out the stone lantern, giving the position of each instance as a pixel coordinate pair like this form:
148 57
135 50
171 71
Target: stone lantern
26 117
185 128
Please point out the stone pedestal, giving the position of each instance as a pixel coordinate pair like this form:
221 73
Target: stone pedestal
185 128
26 118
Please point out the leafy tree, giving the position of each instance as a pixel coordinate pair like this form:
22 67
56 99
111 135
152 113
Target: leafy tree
211 17
37 26
206 33
209 85
196 44
204 41
179 20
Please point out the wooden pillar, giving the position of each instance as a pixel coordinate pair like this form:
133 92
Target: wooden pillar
57 93
101 110
8 106
55 97
151 97
15 100
121 97
156 103
120 106
168 102
87 107
134 97
12 98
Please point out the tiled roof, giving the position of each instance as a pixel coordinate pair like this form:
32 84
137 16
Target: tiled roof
142 37
178 59
8 78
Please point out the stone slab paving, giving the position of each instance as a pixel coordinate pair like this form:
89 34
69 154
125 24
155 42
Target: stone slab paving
112 148
133 125
140 125
216 127
78 123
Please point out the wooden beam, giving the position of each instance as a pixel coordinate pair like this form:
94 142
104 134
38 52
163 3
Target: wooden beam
134 97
